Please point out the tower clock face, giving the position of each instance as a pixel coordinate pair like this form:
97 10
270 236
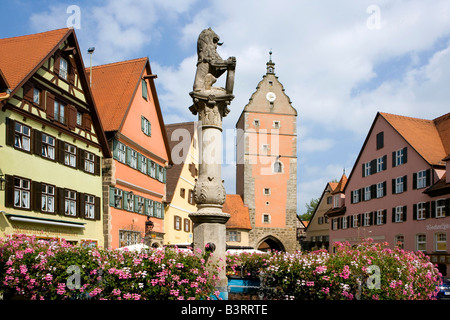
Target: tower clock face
271 96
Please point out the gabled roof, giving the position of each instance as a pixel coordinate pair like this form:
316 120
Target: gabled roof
329 187
240 217
173 173
114 87
22 56
429 138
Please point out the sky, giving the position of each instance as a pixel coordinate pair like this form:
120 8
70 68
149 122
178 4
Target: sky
340 62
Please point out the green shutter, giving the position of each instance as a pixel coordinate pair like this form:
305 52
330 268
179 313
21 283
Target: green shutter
139 161
144 89
128 158
111 197
125 200
145 206
164 175
115 149
135 203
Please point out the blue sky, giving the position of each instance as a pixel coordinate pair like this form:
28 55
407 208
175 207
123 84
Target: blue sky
340 61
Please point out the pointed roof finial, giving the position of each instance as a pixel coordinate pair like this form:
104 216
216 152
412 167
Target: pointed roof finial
270 64
270 55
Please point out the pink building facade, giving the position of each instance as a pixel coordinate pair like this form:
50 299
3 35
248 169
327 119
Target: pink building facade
398 191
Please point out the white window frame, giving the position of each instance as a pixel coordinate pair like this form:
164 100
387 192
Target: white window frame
399 214
22 193
399 159
48 146
22 137
129 204
380 164
118 198
421 241
140 204
37 96
355 221
47 198
379 217
133 158
344 222
366 219
420 215
59 112
380 190
440 208
79 119
421 179
70 203
264 215
399 238
440 238
355 196
336 201
121 152
70 155
143 167
63 68
367 193
89 206
367 169
399 184
89 162
276 124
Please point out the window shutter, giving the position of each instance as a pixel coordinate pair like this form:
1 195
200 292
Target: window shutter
404 213
393 186
363 170
80 209
384 216
28 91
37 142
135 203
393 214
50 106
414 211
80 159
146 207
10 129
111 197
164 175
415 180
139 161
351 197
115 149
128 157
144 89
373 166
372 218
87 121
142 123
384 188
359 219
427 209
56 64
405 154
393 159
97 207
125 200
384 162
60 200
405 184
71 72
428 177
60 151
36 198
433 209
71 116
373 191
9 191
97 165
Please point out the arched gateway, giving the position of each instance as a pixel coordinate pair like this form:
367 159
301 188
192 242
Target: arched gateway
270 243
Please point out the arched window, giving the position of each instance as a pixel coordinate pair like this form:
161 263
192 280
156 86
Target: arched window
277 167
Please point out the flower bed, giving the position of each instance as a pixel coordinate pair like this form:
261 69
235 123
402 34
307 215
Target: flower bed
36 269
369 271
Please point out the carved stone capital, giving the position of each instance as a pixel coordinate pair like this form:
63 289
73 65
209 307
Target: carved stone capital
209 190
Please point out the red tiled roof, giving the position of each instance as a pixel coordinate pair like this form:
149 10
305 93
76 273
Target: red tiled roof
240 217
341 185
427 137
20 56
114 86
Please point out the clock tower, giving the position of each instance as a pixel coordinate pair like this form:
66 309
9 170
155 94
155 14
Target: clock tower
266 164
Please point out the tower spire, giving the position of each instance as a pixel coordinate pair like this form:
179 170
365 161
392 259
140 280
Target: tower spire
270 64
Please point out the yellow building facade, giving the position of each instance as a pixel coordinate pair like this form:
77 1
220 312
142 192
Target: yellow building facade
52 142
183 141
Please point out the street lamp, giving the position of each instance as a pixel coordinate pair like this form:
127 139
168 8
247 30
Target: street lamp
90 52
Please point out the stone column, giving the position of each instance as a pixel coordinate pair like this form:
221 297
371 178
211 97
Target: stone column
211 105
209 191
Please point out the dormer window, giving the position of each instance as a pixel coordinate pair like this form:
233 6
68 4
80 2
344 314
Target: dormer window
63 68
